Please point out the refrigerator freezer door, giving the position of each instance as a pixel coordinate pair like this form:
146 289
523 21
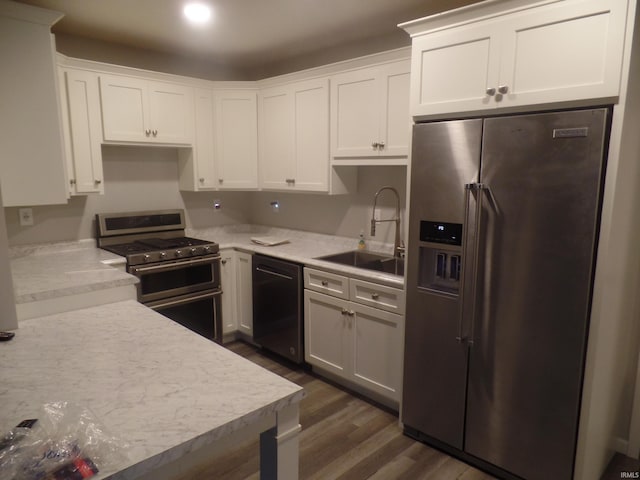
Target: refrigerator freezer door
445 157
539 231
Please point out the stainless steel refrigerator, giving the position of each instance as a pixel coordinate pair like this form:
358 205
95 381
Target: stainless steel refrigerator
504 216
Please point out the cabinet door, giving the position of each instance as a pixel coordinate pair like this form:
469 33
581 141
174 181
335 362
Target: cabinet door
451 70
203 148
236 139
566 51
83 104
377 350
327 333
311 121
229 289
32 170
171 113
395 119
244 293
124 106
355 113
277 159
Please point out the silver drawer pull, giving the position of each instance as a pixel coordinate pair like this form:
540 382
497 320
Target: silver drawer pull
324 283
375 296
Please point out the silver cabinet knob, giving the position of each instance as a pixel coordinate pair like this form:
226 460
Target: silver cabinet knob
375 296
220 180
97 181
223 262
375 145
491 91
147 132
155 133
351 313
503 89
324 283
201 179
344 311
381 145
72 181
290 180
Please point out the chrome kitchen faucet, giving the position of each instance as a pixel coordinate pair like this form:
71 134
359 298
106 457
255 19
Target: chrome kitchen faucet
398 244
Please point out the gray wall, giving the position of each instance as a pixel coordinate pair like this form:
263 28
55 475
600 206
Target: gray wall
136 178
146 178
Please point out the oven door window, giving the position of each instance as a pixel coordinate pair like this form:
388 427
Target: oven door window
175 281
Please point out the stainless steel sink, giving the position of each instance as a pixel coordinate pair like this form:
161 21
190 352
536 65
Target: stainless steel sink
368 261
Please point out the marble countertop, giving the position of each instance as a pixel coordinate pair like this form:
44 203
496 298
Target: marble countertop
303 248
161 388
44 272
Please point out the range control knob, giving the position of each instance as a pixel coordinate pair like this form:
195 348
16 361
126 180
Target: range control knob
163 255
146 257
207 249
178 253
194 251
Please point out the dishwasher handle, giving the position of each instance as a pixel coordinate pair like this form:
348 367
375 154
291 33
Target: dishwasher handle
270 272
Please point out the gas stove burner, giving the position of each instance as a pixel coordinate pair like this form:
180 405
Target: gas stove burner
150 237
164 243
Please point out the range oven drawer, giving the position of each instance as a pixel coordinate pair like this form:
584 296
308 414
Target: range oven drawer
199 312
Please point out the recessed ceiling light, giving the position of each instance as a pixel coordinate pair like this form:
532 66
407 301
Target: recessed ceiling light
197 13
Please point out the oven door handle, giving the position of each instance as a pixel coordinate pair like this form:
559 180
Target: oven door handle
182 300
174 265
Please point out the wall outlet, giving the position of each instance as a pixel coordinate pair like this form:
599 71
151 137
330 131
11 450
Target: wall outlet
26 216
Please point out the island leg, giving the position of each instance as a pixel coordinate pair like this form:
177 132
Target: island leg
279 446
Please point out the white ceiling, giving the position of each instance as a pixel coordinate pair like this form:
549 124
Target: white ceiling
244 33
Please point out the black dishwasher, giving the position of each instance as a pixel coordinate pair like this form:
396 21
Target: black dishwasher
277 306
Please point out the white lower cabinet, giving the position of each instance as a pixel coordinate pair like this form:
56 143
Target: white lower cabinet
244 293
228 300
352 341
237 291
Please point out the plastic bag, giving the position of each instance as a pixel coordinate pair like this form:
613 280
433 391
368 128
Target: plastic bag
66 442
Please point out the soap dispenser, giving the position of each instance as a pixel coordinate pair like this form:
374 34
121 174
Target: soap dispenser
361 244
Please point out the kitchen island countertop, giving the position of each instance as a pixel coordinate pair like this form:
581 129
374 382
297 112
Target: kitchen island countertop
161 388
49 271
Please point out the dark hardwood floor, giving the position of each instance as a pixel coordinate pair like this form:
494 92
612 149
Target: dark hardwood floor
343 437
349 438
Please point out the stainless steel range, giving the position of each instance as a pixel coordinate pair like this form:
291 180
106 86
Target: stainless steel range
179 276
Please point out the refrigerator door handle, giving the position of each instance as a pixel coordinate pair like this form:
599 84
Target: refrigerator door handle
470 259
481 188
460 337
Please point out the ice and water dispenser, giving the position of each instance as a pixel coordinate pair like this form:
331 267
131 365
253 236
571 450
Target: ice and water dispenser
440 256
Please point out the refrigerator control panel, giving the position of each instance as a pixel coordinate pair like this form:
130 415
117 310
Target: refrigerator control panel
441 232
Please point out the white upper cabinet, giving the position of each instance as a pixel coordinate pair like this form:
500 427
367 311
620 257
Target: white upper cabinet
141 111
555 52
294 136
82 126
370 113
236 139
225 148
32 164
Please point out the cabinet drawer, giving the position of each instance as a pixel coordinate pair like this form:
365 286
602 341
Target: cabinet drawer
378 296
325 282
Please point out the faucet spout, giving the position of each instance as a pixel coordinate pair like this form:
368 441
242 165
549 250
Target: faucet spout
398 244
